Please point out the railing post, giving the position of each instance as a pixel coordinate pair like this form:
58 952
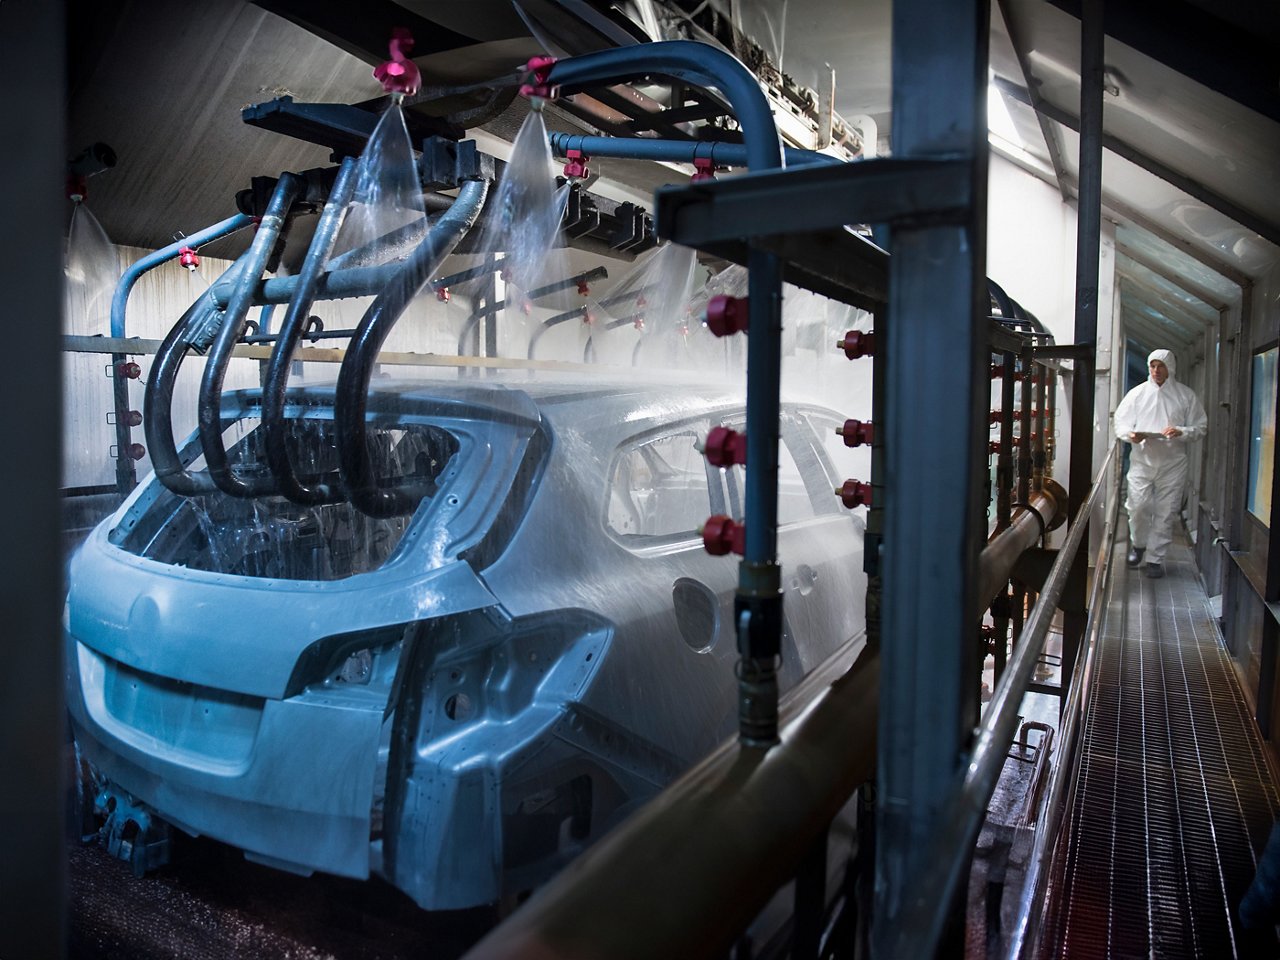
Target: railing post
936 400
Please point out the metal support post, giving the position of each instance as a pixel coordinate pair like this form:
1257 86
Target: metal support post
937 380
1088 244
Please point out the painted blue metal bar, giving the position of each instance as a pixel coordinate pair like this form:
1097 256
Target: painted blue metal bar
152 260
689 62
675 151
936 383
758 603
126 474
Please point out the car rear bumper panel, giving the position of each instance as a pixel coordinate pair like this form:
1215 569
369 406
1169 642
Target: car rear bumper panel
288 780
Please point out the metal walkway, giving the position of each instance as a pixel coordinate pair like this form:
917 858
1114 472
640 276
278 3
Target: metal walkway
1174 799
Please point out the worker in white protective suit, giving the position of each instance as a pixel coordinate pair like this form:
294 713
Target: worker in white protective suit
1159 417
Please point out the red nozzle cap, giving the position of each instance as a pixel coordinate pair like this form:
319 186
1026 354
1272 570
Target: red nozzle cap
722 535
857 344
77 186
584 288
857 433
442 294
128 370
135 451
995 416
399 74
638 323
133 418
704 168
576 168
188 257
997 371
725 447
538 79
726 315
854 493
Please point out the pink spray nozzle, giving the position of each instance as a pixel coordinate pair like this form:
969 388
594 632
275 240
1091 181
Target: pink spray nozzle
399 74
538 78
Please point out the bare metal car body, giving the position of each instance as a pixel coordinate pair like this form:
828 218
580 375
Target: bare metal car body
463 699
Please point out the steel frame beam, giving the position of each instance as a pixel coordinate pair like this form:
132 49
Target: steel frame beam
1192 188
1047 129
1088 252
1210 51
815 198
936 376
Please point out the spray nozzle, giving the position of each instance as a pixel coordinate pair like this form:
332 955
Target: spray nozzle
537 80
399 75
188 257
576 168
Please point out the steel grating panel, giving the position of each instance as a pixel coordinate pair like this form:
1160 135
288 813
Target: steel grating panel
1173 798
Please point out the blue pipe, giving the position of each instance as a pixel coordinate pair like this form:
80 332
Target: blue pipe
356 467
687 62
758 603
336 284
674 151
209 415
121 296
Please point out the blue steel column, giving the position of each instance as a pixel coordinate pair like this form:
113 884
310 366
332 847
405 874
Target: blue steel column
1088 243
936 397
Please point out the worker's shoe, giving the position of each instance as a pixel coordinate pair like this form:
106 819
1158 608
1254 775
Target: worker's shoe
1154 571
1135 556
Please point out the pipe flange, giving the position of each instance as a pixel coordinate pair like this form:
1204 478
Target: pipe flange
1059 494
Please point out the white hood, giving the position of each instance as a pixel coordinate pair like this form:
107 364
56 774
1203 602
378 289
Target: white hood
1165 357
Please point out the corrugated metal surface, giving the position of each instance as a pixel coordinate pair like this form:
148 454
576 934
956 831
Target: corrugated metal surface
1174 799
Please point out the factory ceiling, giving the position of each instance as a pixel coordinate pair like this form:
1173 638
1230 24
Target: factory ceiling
1191 110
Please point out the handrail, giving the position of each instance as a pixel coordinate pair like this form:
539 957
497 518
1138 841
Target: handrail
1051 804
927 909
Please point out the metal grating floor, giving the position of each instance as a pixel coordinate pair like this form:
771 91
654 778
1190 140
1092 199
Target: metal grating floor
1174 800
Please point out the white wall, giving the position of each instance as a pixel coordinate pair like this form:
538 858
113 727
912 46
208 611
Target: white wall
157 301
1031 253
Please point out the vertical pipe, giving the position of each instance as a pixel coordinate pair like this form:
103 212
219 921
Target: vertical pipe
758 603
1088 249
936 379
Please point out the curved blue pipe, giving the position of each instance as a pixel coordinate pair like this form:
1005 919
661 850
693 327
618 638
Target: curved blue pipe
689 62
702 65
121 296
674 151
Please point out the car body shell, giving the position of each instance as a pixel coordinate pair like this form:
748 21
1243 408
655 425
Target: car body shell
547 645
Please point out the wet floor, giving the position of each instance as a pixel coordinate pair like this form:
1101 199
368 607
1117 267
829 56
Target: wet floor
212 904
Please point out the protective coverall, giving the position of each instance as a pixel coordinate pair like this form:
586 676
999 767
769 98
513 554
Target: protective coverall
1158 466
